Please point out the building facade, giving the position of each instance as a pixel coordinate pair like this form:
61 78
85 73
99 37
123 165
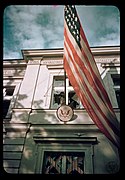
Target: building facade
35 139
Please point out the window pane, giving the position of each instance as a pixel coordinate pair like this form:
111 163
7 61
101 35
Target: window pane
116 79
8 93
59 81
70 84
73 100
58 99
57 92
6 104
117 92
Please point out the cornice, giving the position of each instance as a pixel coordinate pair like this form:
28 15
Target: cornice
55 57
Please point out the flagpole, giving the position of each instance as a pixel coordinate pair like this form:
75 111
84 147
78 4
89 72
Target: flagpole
64 82
64 87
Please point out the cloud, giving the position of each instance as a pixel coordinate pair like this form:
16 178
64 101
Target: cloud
40 26
12 54
101 24
35 27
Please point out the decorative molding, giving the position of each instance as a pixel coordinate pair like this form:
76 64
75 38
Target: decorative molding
59 61
107 60
14 72
79 134
52 62
98 60
72 128
39 138
32 62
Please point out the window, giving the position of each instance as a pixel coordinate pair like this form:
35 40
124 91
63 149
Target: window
63 163
7 97
116 86
58 94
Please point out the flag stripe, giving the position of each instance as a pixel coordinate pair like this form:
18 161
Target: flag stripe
88 83
85 78
87 90
96 84
95 117
91 64
88 106
95 77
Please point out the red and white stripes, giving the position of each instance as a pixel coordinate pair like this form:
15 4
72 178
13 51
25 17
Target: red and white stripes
85 78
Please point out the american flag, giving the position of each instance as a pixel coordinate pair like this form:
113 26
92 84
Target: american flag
85 78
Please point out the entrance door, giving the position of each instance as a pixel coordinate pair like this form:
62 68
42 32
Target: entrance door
63 163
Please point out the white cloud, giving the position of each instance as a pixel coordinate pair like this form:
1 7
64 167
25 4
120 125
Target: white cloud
112 39
38 27
101 24
28 32
12 55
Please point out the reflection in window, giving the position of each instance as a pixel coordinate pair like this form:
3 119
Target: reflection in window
59 97
73 100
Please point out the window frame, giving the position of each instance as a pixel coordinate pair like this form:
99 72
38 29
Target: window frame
116 87
63 165
9 98
12 99
47 144
60 89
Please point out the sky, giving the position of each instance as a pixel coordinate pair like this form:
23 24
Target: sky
42 27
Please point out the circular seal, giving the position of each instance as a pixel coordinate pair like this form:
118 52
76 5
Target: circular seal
65 113
112 167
